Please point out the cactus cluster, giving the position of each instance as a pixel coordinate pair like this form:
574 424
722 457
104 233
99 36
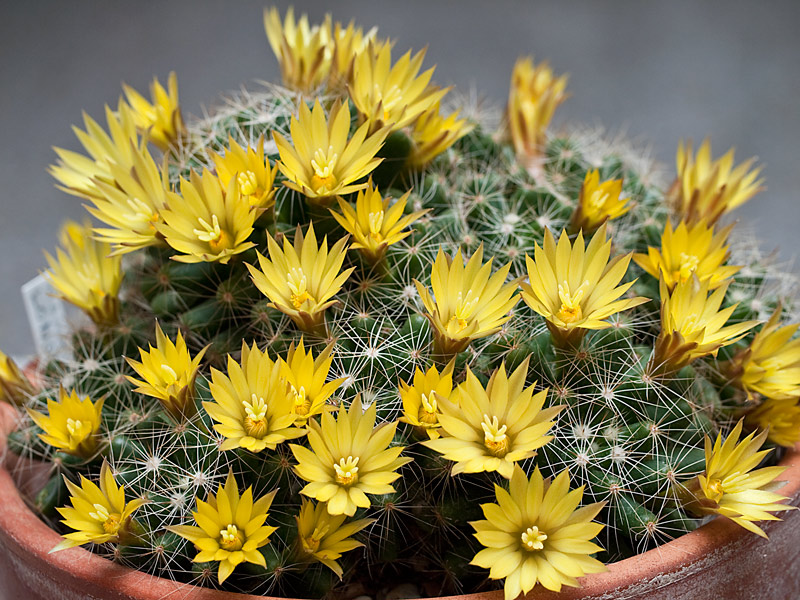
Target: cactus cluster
630 432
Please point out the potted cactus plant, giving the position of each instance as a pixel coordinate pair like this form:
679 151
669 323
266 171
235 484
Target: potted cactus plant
341 342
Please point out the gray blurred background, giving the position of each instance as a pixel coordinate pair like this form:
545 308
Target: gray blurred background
660 71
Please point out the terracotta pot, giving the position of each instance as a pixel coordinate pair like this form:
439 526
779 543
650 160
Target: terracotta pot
718 561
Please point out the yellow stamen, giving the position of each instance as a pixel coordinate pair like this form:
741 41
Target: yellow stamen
297 285
570 310
532 539
428 412
324 179
346 470
495 438
688 265
375 225
302 404
169 376
255 422
212 234
248 183
311 543
231 539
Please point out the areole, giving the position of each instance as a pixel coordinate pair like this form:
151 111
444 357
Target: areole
717 561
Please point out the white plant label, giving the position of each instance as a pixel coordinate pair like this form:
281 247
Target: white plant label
48 319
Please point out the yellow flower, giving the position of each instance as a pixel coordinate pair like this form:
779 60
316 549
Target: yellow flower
160 121
252 408
85 275
536 533
305 378
303 52
597 203
323 163
348 42
692 325
534 95
72 424
706 189
131 204
169 372
730 487
575 287
302 279
432 134
349 458
770 366
250 168
780 418
206 222
468 303
323 537
77 173
15 387
98 514
689 250
421 400
491 429
375 223
392 96
231 528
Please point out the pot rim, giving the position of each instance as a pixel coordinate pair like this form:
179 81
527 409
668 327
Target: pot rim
29 540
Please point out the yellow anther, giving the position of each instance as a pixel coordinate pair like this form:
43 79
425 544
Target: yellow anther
255 422
346 470
324 164
311 543
533 539
248 183
495 438
375 225
688 265
297 286
231 539
570 310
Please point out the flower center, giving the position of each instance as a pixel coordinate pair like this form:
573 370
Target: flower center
375 225
346 470
142 216
570 310
212 234
231 539
110 521
495 438
598 200
323 164
533 538
428 411
255 421
78 430
311 543
168 374
248 183
297 283
302 403
688 265
465 306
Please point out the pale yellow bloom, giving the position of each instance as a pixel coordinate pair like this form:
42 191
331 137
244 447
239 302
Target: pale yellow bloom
206 222
574 286
250 168
301 279
348 459
692 325
78 173
98 514
348 42
491 429
468 302
305 378
536 533
251 405
598 202
693 250
706 189
421 399
303 52
730 487
780 418
432 134
770 366
376 223
160 121
321 162
533 97
168 372
389 95
84 274
15 387
72 424
132 203
323 537
231 528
